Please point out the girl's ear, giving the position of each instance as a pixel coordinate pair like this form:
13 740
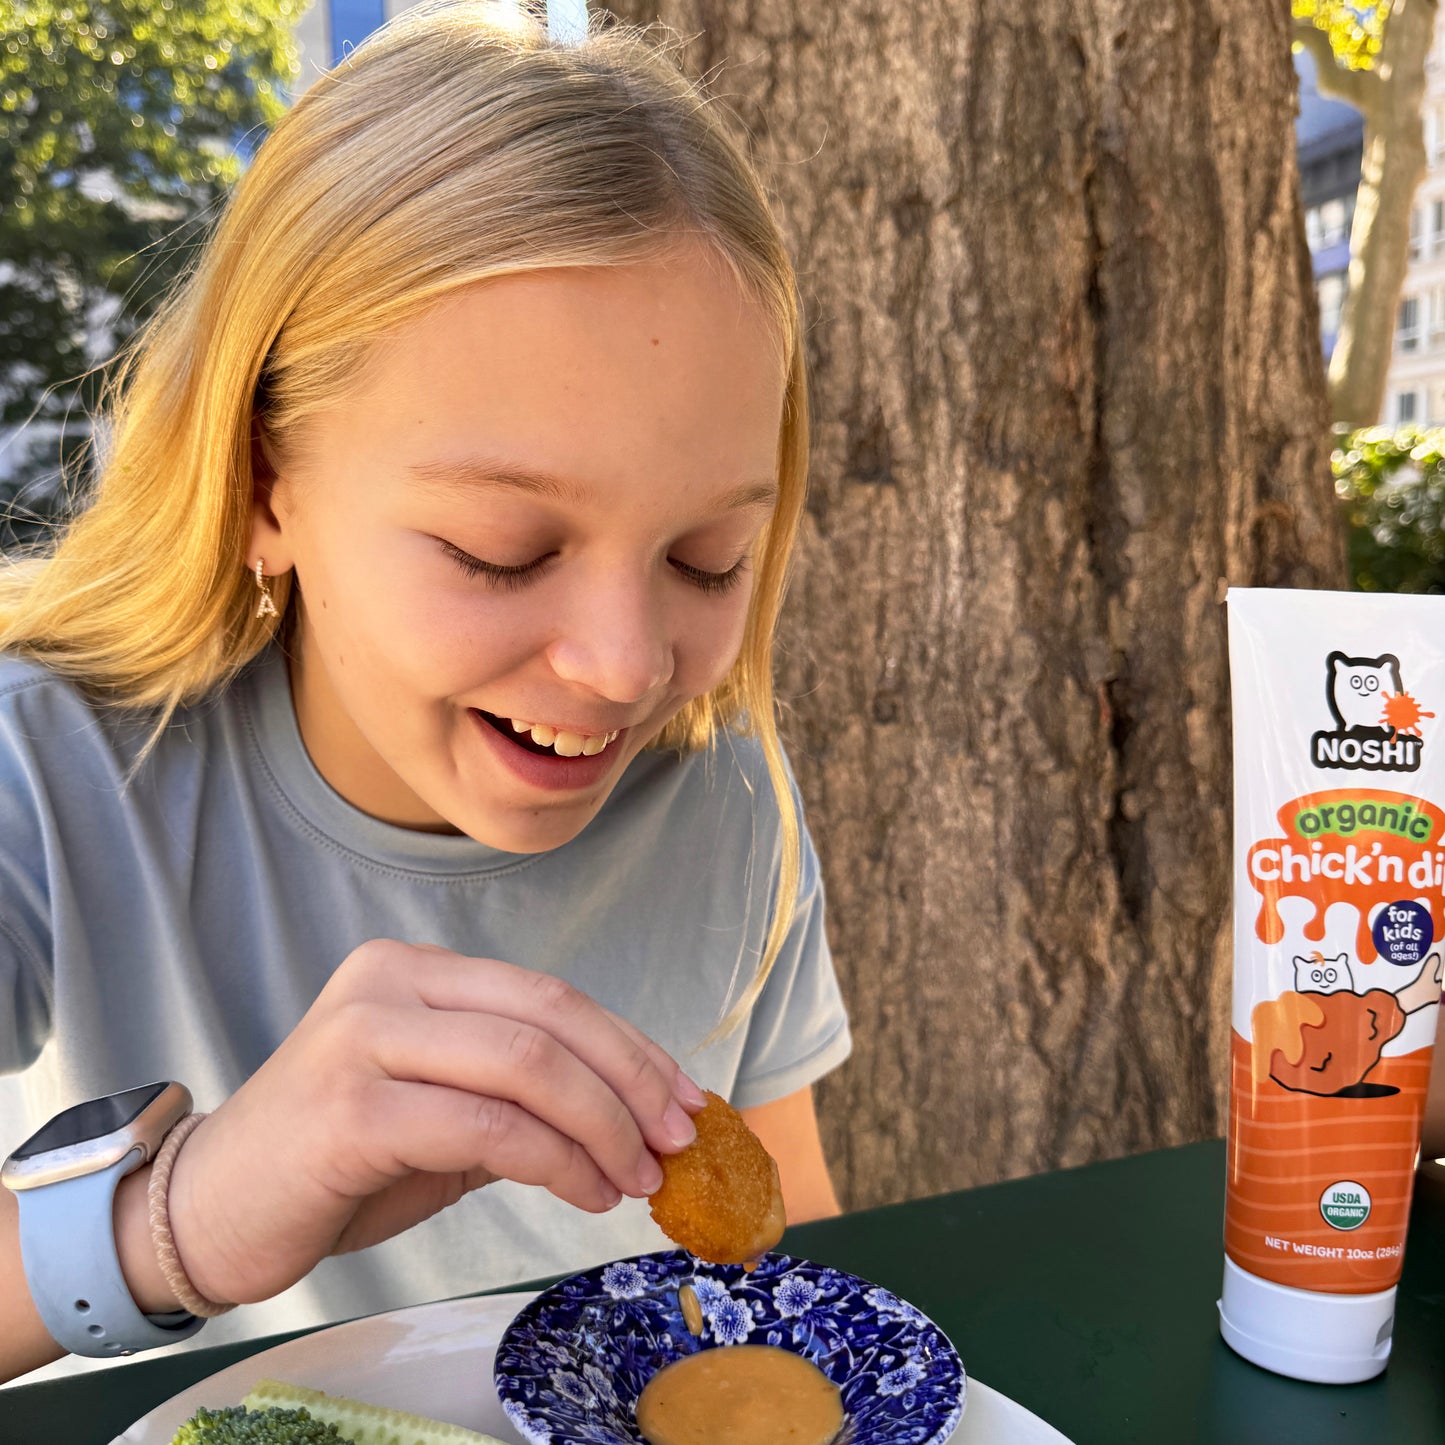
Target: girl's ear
268 529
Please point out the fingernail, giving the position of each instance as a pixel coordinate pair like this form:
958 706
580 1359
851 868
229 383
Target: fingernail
689 1092
678 1127
611 1198
649 1175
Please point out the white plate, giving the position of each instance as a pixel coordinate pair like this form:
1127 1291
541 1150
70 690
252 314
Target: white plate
437 1360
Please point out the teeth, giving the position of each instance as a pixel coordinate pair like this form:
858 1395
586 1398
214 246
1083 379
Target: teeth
565 744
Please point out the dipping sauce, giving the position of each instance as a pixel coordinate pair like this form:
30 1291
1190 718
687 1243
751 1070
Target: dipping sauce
691 1307
740 1395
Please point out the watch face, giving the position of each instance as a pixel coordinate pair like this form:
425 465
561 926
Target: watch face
91 1120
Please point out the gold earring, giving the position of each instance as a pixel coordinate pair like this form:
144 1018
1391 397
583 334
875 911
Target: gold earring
266 607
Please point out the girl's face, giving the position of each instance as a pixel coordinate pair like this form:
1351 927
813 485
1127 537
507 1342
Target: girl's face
539 505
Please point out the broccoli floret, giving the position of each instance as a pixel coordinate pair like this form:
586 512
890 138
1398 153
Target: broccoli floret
236 1425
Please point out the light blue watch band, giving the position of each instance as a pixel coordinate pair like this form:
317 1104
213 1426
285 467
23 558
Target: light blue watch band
67 1243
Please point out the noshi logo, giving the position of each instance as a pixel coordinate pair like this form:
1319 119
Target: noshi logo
1377 723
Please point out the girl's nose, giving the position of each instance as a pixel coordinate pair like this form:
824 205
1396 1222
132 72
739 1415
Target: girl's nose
615 642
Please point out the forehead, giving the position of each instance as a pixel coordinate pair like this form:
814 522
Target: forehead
604 375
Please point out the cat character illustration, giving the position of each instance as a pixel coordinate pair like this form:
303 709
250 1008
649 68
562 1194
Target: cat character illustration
1324 1039
1323 975
1356 690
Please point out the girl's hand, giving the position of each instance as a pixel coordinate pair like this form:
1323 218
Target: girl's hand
416 1076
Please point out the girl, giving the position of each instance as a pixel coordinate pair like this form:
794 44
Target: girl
387 753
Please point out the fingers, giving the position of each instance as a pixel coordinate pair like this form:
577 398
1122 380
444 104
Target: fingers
684 1089
643 1075
443 1131
500 1061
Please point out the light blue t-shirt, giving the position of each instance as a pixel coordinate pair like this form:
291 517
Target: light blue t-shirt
180 925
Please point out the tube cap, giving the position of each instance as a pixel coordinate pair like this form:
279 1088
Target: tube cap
1332 1339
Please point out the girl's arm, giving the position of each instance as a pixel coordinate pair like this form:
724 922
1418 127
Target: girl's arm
416 1076
25 1343
788 1129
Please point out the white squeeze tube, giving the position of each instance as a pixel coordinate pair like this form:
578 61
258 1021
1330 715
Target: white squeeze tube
1339 915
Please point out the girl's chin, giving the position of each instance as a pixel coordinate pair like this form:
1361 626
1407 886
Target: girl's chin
527 831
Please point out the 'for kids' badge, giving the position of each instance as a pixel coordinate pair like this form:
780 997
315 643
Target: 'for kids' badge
1403 932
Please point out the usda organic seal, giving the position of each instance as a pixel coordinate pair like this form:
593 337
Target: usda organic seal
1345 1205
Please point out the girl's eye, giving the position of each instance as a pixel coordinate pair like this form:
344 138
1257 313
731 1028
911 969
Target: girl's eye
513 578
510 578
714 582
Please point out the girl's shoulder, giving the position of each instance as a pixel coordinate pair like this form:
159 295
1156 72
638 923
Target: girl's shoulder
47 716
737 753
717 791
46 729
31 694
56 741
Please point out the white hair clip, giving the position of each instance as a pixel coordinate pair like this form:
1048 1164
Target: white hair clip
567 21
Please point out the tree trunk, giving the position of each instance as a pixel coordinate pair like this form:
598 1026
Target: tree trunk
1391 98
1066 386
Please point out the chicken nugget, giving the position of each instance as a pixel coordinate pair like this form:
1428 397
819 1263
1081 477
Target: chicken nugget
720 1197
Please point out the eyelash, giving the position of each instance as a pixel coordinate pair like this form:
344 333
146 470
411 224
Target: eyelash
513 578
714 583
508 578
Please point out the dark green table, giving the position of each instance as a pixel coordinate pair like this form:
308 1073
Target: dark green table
1086 1295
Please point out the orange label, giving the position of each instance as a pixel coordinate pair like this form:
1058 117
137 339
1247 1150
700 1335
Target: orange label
1365 846
1319 1184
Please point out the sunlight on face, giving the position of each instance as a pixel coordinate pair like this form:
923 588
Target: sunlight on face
539 504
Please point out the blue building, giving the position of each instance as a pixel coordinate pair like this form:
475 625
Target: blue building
328 29
349 22
1329 143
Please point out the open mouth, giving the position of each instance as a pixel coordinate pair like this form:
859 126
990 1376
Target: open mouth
547 742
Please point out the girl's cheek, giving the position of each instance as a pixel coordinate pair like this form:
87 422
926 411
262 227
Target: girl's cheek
460 636
713 646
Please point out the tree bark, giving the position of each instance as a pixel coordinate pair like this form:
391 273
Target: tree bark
1066 385
1391 99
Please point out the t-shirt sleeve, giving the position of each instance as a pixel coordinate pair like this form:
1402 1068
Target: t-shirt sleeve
25 949
798 1029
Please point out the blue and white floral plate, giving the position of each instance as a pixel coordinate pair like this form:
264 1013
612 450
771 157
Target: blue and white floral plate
571 1365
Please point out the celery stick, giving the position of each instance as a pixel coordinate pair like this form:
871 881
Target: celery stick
363 1424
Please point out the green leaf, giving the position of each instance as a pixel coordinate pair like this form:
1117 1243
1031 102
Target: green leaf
1391 486
119 125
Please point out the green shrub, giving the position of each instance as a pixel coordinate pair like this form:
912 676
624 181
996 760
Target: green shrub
1391 483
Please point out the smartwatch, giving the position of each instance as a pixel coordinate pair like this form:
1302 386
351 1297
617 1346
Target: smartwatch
64 1179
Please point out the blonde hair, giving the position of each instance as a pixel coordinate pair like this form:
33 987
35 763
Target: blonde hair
456 145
